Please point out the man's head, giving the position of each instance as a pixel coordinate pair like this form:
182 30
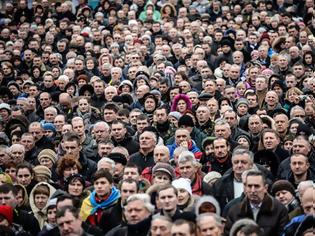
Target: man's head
103 181
147 141
301 145
161 225
308 203
138 208
167 197
221 148
242 160
71 144
222 129
255 187
255 124
282 123
128 187
131 171
118 130
270 139
101 131
68 221
187 165
209 224
8 195
161 154
183 228
182 135
299 164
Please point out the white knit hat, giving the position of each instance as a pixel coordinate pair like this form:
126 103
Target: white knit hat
182 183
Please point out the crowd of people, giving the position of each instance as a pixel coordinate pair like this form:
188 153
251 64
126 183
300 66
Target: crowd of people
158 117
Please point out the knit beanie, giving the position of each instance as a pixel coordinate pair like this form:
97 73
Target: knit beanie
212 176
282 185
41 170
7 212
186 120
175 114
241 101
49 154
182 183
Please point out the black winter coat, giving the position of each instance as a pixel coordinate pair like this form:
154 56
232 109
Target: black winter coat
272 216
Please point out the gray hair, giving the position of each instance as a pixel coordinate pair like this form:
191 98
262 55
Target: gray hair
18 146
242 151
107 160
102 123
217 218
296 108
144 198
221 121
186 156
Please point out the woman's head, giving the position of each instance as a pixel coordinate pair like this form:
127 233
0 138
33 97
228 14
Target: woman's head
24 174
68 165
75 185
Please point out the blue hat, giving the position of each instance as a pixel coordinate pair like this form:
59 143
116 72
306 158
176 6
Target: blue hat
49 126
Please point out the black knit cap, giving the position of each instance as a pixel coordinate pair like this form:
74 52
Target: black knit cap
282 185
186 120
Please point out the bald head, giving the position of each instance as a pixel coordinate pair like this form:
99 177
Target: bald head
308 202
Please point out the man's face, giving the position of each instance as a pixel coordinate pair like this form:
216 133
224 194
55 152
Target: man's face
230 93
255 125
252 101
146 140
109 115
78 127
203 114
28 142
270 141
299 165
187 170
59 121
102 187
261 84
282 123
72 148
98 88
168 199
255 189
17 154
69 225
131 173
221 149
160 227
181 230
44 100
241 163
161 116
181 136
231 118
272 98
160 155
126 190
118 131
301 146
48 81
136 212
8 199
222 131
141 124
208 227
100 132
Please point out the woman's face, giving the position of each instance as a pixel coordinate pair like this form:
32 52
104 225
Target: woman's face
140 82
125 89
70 171
173 120
75 188
183 197
293 97
70 91
181 106
288 145
178 79
90 64
24 177
209 149
19 197
308 59
149 104
84 105
6 70
46 162
243 142
293 128
81 82
36 73
55 72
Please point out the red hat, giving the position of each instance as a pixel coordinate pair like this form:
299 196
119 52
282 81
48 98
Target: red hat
7 213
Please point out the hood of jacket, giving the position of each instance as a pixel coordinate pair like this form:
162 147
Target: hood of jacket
34 208
209 199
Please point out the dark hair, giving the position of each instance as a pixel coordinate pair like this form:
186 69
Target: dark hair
6 188
25 166
257 173
133 165
70 137
111 106
103 174
192 226
129 181
167 186
71 209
